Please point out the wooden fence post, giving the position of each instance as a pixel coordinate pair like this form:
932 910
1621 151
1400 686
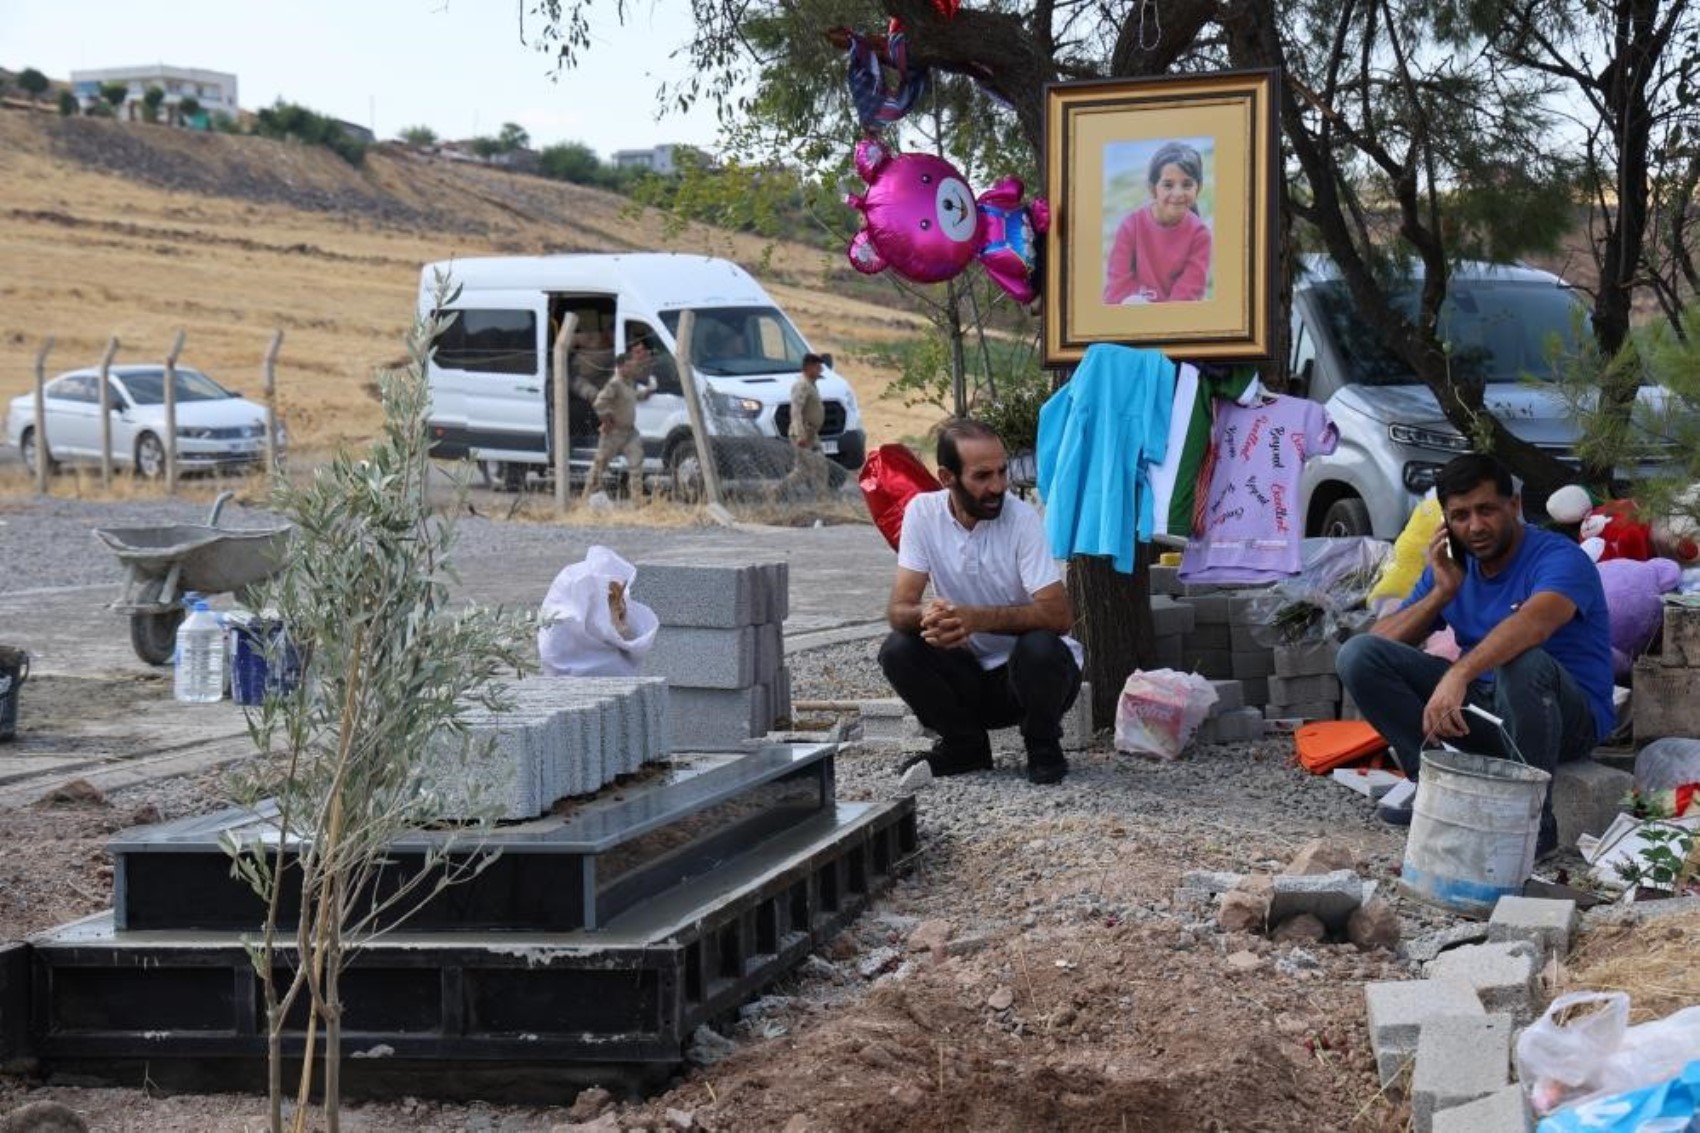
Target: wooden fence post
106 414
693 405
171 413
269 383
41 457
560 390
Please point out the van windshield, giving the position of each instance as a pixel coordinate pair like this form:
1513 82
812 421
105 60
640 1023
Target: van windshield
741 340
1498 331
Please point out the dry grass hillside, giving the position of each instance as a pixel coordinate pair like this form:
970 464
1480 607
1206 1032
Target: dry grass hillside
134 230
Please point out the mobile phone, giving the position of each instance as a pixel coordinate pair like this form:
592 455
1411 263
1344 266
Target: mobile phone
1455 548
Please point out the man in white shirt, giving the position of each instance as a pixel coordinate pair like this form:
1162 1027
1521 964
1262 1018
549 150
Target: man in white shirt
991 647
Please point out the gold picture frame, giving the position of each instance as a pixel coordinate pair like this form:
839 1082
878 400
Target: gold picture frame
1163 194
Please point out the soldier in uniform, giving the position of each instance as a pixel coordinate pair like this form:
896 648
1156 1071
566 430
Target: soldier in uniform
808 414
616 415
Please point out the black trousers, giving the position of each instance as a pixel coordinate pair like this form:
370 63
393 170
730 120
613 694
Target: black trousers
952 695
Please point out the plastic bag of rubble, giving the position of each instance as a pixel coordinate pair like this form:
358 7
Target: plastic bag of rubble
591 626
1325 601
1159 710
1584 1047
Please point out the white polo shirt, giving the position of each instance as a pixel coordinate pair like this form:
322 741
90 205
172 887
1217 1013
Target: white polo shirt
997 562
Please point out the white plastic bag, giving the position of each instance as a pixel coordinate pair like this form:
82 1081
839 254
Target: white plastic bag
591 627
1598 1052
1159 710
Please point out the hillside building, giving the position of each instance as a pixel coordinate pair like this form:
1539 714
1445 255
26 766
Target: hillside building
214 90
656 159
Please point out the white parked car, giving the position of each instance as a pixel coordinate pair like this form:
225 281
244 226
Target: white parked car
215 427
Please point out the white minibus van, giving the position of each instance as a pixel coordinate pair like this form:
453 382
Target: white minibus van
491 381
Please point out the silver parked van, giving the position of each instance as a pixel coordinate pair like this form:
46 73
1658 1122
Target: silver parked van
1500 325
491 381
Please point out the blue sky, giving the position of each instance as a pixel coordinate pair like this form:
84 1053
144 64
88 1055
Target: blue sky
457 66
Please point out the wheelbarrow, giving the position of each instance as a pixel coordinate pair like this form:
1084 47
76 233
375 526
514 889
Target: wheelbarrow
164 563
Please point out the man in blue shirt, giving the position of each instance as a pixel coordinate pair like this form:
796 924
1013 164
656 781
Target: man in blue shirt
1530 616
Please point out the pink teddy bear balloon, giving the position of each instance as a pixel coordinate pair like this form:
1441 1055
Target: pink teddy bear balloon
923 222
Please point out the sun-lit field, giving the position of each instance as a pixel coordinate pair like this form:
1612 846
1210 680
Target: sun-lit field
93 245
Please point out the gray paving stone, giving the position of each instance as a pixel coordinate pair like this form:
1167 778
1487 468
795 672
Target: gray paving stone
1426 948
1329 897
1311 710
1547 924
707 719
1310 659
1230 694
1587 797
1304 690
1254 662
718 597
1460 1058
1398 1011
1503 1111
1170 618
699 657
1214 608
1504 976
1209 635
770 651
1211 881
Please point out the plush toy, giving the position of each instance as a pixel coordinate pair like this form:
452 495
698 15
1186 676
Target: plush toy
1615 530
1633 590
923 222
1410 554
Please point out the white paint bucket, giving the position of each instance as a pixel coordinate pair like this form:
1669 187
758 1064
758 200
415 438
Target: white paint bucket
1474 825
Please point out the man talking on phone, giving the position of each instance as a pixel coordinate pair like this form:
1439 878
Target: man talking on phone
1530 617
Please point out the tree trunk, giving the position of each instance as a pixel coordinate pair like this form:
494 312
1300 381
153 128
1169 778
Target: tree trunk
1112 619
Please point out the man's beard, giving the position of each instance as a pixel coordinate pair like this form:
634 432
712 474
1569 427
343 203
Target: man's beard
969 508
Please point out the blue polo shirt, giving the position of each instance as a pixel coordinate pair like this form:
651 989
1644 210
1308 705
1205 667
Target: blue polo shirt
1543 562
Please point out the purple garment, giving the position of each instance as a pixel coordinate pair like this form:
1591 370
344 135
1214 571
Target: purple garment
1249 527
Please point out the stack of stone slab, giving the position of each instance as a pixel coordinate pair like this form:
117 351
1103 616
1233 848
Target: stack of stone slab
1219 644
1304 685
1667 686
721 648
1231 720
561 736
1454 1028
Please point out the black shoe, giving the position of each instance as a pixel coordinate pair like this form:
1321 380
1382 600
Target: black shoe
1546 843
1394 815
953 758
1046 764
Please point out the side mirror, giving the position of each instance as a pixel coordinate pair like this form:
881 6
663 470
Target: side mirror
826 360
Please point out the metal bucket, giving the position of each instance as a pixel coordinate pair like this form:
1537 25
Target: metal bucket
14 671
1474 826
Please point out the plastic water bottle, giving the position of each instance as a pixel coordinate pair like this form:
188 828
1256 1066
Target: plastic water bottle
200 657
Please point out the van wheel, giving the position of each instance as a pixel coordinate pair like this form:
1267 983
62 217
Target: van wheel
513 477
1346 518
684 471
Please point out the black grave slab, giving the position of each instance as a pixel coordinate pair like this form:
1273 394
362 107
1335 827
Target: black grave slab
553 874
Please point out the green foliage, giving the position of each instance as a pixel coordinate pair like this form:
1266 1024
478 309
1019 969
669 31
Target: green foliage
32 82
224 123
151 100
114 94
418 136
391 662
512 137
1660 864
288 121
577 163
188 108
485 147
67 104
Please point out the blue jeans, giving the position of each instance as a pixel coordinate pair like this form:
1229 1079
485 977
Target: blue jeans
1545 711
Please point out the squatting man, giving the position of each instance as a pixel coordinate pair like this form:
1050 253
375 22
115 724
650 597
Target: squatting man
1530 616
990 648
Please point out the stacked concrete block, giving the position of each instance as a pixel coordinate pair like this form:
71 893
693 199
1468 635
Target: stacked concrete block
1171 621
1667 686
1505 1110
1230 720
721 648
1460 1059
561 736
1505 976
1547 924
1400 1009
1302 682
1587 797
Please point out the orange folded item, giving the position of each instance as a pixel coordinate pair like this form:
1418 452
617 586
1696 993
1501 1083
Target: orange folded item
1322 746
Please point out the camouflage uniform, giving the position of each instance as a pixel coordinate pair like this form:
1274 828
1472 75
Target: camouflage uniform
616 404
808 414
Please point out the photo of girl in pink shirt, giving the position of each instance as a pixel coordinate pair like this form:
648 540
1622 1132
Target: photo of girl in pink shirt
1161 250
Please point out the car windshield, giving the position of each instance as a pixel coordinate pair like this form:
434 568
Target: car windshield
191 385
1497 330
742 341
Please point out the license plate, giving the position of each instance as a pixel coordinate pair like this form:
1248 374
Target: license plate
830 448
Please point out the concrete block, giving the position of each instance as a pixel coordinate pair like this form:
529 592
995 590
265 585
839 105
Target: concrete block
1217 664
1504 976
1253 663
1460 1058
700 657
1255 690
770 651
1329 897
1503 1111
781 689
1165 580
1666 701
1168 653
706 719
1548 925
1587 796
1230 694
1312 710
1398 1011
1211 881
1304 690
1210 635
1680 647
715 597
1169 617
888 720
779 591
1241 726
1213 609
1242 638
1308 660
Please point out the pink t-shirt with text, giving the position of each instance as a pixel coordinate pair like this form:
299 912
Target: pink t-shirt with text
1249 527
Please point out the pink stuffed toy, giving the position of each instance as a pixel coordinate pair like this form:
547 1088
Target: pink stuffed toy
1615 529
1633 590
923 222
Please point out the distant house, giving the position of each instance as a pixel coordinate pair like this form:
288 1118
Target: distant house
355 132
522 160
214 90
656 159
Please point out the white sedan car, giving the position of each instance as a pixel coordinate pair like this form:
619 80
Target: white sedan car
215 427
